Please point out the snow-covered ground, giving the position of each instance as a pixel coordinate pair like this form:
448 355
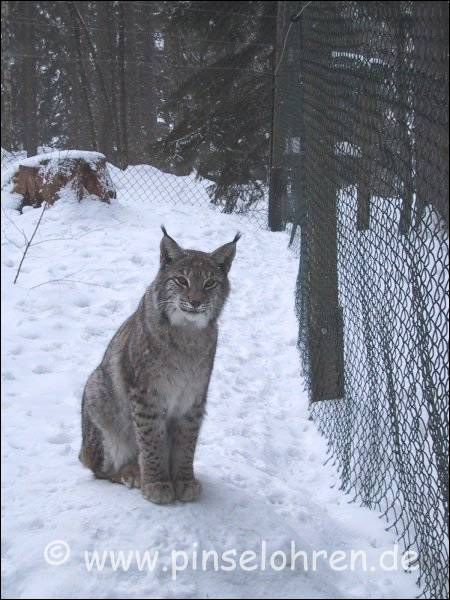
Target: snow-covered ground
260 458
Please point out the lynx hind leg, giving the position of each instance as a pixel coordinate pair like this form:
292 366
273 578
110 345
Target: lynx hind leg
94 456
111 458
109 443
92 453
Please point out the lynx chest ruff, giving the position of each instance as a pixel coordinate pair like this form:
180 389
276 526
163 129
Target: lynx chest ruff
182 392
184 377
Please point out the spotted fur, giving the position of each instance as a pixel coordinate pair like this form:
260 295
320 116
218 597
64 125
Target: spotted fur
144 404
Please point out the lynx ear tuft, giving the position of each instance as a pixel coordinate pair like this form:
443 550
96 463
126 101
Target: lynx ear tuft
237 237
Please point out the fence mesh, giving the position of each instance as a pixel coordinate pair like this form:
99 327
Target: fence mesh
329 119
363 164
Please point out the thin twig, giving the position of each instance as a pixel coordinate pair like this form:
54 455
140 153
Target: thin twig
45 206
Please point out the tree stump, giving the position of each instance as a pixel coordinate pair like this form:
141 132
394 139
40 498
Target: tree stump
41 178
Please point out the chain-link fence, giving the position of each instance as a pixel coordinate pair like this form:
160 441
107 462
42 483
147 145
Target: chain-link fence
362 156
340 135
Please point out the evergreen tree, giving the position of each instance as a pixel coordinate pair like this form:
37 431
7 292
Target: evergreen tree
220 114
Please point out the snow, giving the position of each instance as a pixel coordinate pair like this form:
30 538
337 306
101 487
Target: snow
370 60
346 148
260 458
35 161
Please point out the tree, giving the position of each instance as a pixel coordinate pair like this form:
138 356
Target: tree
220 114
123 117
29 74
6 79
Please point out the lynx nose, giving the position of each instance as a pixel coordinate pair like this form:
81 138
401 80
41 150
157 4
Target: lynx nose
195 303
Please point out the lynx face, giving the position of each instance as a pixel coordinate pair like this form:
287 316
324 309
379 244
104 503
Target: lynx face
192 285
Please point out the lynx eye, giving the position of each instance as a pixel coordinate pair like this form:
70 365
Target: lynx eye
182 281
209 284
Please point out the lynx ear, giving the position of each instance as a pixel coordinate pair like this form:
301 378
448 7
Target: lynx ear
225 254
170 250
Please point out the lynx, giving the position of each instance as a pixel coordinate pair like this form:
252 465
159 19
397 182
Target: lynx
143 406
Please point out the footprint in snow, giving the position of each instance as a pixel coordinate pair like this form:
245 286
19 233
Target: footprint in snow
41 370
30 335
62 437
276 498
82 302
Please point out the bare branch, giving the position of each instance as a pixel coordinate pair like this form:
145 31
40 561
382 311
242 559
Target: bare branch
44 207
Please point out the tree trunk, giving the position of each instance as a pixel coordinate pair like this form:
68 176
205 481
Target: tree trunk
324 314
404 90
105 49
134 104
84 84
123 89
6 79
29 97
277 184
430 55
149 76
94 56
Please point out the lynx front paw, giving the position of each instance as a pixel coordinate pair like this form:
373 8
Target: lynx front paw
159 493
187 491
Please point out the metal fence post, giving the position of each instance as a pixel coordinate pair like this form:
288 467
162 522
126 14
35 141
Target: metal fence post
277 182
324 315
